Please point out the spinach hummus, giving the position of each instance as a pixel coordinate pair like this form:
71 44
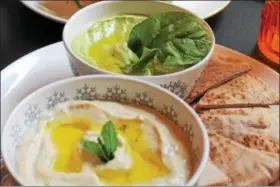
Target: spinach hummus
104 43
139 45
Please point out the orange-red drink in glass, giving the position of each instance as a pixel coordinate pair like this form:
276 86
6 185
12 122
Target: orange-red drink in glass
268 40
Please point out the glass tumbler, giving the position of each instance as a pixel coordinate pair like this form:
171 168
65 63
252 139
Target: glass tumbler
268 39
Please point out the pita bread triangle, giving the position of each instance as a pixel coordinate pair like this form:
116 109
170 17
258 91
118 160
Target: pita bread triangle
244 166
213 176
255 128
244 91
219 70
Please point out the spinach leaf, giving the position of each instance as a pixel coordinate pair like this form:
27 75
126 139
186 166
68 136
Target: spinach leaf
174 38
139 67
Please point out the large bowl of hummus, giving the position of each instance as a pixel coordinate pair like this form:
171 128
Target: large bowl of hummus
104 130
149 40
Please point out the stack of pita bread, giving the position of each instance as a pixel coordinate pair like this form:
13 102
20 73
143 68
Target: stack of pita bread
243 126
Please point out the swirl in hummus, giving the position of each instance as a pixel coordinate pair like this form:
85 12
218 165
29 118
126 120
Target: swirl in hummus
151 150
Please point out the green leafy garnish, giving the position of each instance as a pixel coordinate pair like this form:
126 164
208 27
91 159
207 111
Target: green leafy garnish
175 39
95 149
106 145
138 67
110 139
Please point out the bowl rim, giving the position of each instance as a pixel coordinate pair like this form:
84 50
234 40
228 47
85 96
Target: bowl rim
80 13
205 140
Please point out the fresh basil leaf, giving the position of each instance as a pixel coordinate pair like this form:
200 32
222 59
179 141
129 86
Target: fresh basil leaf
109 137
176 38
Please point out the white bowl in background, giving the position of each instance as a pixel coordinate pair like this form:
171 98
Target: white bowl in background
105 87
181 83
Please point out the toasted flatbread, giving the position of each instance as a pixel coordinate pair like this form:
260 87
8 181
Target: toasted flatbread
255 128
219 70
213 176
244 166
244 91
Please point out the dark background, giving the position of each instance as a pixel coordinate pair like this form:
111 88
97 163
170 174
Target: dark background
23 31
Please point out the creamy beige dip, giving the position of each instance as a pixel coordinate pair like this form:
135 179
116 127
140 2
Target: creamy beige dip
37 152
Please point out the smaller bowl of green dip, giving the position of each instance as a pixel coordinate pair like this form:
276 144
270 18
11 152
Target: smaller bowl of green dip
149 40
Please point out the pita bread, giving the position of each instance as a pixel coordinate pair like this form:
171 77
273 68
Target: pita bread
244 91
244 166
256 128
213 176
219 70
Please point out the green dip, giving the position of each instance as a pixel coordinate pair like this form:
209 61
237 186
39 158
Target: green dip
104 43
139 45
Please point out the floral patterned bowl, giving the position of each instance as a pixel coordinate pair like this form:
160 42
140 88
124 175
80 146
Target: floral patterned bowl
105 87
180 83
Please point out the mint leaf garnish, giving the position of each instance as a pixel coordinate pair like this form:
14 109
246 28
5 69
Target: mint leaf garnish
105 146
109 137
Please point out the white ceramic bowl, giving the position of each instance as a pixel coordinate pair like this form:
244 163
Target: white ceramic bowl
105 87
180 83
